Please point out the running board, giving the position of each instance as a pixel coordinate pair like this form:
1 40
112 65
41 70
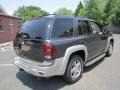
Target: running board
95 60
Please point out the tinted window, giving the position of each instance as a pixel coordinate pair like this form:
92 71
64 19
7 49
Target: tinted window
62 28
85 27
36 29
80 32
95 28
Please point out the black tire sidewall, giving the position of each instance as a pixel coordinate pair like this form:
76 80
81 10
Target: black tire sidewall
108 54
67 75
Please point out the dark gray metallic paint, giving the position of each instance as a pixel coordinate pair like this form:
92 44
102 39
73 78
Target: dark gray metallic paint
95 44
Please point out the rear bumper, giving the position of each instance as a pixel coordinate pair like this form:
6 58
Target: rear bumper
35 69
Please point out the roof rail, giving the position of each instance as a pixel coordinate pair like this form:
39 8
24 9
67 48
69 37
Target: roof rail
50 14
42 16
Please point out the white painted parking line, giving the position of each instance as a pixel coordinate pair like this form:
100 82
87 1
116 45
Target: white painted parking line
6 49
6 64
3 49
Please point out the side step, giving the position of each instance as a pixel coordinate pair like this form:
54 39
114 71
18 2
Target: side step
95 60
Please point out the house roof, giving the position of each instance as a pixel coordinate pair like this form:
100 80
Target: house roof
9 16
4 13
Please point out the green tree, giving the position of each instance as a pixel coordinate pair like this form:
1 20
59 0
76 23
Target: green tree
28 12
116 20
103 11
111 11
82 12
64 11
94 10
79 9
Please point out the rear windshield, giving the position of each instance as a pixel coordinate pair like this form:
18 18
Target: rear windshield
36 29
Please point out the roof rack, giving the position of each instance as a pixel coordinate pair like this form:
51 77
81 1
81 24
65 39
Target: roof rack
42 16
50 14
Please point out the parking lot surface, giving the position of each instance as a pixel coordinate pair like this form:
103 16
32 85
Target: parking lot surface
103 75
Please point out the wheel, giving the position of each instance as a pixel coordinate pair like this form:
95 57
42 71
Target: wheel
74 69
110 50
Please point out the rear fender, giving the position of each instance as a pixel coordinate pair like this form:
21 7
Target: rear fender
69 52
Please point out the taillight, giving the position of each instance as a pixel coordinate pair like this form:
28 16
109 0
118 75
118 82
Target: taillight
49 51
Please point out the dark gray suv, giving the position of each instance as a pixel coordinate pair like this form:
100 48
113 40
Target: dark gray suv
61 45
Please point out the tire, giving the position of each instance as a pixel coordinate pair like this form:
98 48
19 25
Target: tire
74 69
110 50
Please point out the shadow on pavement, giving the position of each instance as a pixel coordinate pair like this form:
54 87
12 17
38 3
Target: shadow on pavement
91 67
53 83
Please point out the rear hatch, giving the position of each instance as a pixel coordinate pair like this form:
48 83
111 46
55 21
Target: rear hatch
29 40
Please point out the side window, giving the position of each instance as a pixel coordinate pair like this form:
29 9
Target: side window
62 28
95 28
80 31
85 27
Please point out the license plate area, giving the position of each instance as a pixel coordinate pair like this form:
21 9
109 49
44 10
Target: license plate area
25 47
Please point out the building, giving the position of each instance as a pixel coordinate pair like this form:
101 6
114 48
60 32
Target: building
9 25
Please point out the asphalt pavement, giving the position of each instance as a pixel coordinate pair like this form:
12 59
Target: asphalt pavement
103 75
